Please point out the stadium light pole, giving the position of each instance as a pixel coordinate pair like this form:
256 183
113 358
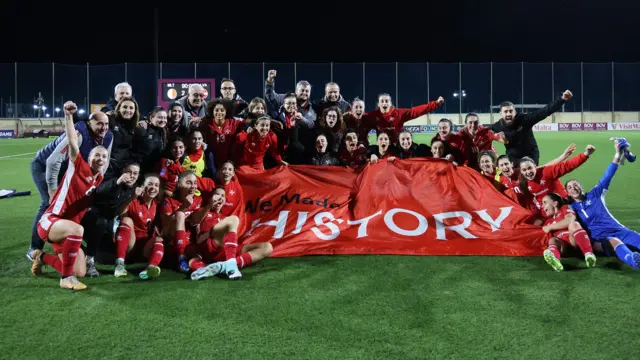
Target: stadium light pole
460 96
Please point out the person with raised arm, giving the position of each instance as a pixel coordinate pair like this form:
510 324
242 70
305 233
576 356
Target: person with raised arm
592 210
60 224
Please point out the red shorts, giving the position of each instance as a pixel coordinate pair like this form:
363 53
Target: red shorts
562 235
208 250
45 224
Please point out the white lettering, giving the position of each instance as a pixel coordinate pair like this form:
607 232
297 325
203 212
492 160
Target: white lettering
362 229
495 224
302 218
335 231
460 229
422 222
278 224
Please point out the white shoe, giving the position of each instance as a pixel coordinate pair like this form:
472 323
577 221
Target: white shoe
231 268
207 271
120 271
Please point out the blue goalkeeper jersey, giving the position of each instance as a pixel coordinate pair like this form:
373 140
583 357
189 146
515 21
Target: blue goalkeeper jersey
593 211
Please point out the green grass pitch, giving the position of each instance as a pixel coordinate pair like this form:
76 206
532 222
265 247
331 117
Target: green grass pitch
329 307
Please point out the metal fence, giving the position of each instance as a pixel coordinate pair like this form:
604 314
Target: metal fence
596 87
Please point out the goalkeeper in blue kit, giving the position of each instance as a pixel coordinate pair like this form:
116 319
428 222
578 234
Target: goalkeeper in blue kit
592 211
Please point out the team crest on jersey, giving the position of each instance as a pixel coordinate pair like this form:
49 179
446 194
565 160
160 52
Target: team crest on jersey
392 118
253 144
232 192
227 132
140 214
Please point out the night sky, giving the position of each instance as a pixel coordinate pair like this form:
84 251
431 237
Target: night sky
387 32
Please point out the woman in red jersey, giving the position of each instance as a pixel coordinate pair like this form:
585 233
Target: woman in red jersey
251 147
185 210
219 129
232 189
354 155
536 182
355 119
60 224
217 245
137 235
387 117
171 168
563 229
455 142
509 175
477 138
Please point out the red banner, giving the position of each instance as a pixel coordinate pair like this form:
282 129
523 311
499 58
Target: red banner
408 207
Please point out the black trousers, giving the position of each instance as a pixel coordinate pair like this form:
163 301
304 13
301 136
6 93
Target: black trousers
98 234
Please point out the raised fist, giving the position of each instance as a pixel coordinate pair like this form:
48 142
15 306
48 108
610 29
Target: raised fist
567 95
440 100
590 149
271 75
70 108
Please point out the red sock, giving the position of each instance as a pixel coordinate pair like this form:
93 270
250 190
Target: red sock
230 243
157 252
554 249
70 247
181 242
582 240
53 261
123 236
196 263
244 260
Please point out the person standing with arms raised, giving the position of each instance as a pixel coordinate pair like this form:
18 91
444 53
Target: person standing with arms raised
518 128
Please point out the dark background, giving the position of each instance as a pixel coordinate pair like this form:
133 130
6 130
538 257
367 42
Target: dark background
495 51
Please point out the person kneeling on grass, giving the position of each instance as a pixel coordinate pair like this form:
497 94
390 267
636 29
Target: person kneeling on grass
593 212
217 244
144 240
60 224
562 228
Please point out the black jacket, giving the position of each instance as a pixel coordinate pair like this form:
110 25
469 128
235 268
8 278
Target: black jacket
148 145
110 197
416 150
121 155
520 133
324 159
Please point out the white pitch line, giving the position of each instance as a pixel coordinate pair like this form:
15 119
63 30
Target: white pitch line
16 155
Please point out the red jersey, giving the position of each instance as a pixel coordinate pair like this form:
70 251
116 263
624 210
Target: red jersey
143 217
169 174
220 138
393 121
75 193
547 178
233 195
354 160
473 145
511 182
206 187
252 148
562 234
170 205
363 127
456 145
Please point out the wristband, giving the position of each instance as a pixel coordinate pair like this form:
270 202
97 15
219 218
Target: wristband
617 156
